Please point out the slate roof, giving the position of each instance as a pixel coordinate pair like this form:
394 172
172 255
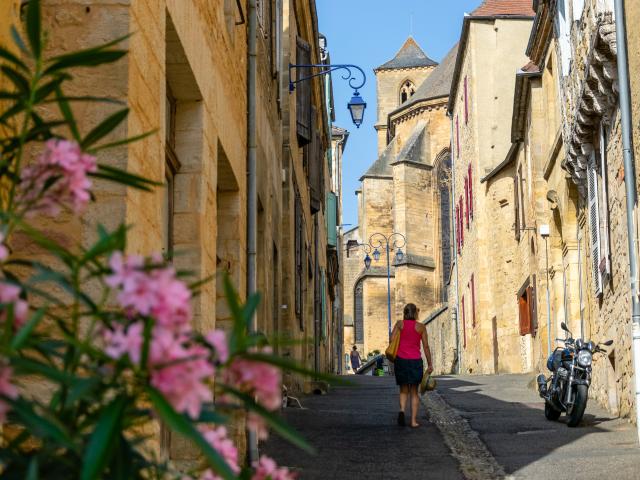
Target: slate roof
412 151
410 55
492 8
436 85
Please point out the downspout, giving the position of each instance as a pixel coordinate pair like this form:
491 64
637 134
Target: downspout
252 193
630 190
455 249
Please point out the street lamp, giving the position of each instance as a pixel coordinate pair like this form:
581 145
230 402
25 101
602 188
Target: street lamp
392 242
357 105
544 233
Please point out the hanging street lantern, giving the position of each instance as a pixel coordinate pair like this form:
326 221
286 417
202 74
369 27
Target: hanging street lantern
357 107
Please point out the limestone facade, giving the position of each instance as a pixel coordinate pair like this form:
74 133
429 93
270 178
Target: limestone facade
186 79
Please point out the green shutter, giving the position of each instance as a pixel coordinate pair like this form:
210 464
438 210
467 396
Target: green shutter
331 213
324 306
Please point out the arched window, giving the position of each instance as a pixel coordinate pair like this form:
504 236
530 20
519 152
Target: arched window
406 90
444 191
358 307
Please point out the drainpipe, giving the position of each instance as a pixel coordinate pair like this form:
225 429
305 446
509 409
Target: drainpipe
630 190
252 193
455 249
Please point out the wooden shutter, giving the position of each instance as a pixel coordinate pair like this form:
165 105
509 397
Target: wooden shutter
470 193
473 301
516 207
457 137
594 224
464 325
466 102
303 93
461 223
466 199
457 228
532 295
524 314
605 242
315 167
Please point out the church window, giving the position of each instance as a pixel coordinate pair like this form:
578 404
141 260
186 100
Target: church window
407 90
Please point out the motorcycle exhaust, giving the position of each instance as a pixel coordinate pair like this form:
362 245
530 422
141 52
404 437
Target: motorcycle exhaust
542 385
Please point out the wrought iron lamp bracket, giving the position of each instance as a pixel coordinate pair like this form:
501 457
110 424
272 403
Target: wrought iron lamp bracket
325 69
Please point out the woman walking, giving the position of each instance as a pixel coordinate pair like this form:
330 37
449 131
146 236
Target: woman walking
408 364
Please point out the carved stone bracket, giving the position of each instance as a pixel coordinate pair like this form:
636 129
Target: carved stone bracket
597 97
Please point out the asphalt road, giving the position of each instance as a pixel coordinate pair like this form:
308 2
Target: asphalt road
478 427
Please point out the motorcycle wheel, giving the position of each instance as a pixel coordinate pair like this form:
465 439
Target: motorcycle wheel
551 413
579 405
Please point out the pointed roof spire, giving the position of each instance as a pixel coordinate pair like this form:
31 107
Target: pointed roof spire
410 55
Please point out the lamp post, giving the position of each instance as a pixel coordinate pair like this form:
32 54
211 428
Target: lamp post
544 233
356 105
391 242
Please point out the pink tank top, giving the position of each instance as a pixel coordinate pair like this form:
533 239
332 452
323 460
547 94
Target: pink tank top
409 347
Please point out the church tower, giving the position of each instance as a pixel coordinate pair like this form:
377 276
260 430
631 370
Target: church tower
397 80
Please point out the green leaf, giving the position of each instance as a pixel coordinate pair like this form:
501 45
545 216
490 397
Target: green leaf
30 366
34 27
7 55
32 471
120 176
19 80
41 426
80 389
108 242
47 243
124 141
104 128
18 40
48 88
183 426
210 415
290 365
276 423
65 109
25 332
101 445
85 58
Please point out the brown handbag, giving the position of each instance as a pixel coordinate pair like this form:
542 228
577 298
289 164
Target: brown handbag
392 350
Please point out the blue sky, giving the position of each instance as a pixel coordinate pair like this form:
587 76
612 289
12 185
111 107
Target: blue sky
368 33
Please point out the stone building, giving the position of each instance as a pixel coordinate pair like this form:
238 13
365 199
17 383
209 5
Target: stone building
482 297
186 79
400 195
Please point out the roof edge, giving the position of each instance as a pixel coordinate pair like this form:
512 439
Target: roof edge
511 155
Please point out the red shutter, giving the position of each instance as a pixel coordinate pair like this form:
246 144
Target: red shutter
461 224
466 102
457 229
473 301
525 319
466 199
457 137
464 326
470 192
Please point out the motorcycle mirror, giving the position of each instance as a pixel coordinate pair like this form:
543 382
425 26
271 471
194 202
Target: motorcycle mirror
564 327
608 343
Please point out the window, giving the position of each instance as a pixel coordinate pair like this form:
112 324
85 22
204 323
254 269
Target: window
172 165
466 199
598 212
406 90
527 308
457 137
461 222
300 260
464 324
304 130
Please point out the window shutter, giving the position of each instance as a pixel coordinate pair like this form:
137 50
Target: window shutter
516 207
466 199
605 250
532 295
457 137
473 301
594 224
470 193
303 93
457 228
332 215
525 319
461 224
466 102
299 274
464 326
316 167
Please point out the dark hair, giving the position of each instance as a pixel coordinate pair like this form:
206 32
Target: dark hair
410 312
355 348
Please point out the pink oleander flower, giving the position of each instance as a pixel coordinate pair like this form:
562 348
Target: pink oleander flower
267 469
258 425
130 342
218 340
7 389
180 371
10 295
59 177
262 380
221 443
4 251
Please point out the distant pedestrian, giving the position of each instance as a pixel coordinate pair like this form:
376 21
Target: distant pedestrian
356 360
408 363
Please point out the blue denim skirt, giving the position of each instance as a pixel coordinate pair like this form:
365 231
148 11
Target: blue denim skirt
408 372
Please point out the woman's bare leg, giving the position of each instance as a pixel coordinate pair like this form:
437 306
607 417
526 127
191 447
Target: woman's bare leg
415 403
404 394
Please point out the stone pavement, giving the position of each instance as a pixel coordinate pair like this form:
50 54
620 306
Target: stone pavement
481 427
356 436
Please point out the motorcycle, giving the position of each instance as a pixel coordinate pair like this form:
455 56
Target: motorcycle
567 389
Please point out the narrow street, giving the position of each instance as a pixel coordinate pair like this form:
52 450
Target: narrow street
478 427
